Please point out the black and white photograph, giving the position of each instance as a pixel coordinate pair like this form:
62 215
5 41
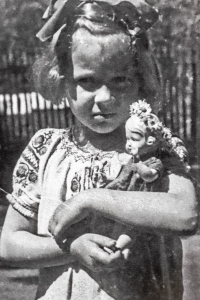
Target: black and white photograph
99 159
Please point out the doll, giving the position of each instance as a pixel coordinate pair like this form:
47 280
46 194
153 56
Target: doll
146 136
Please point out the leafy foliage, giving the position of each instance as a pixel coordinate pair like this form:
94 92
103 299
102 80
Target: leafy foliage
21 19
19 22
179 22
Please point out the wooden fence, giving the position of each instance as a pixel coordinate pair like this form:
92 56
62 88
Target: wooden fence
23 111
181 93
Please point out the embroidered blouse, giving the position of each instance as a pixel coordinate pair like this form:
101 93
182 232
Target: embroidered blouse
51 170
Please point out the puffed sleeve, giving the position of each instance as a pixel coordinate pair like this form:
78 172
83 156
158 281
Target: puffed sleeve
26 194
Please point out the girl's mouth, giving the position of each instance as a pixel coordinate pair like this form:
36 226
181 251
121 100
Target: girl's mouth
102 116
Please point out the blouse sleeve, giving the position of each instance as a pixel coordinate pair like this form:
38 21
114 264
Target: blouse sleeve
26 194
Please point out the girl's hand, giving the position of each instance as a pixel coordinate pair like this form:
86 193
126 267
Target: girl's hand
68 213
123 243
88 250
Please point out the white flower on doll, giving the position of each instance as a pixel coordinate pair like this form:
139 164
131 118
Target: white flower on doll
143 111
167 135
180 152
170 144
153 123
140 108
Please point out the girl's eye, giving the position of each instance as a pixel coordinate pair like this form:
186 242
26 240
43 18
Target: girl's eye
87 83
121 82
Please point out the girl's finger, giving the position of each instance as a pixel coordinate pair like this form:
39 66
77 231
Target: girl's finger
67 235
126 253
64 217
52 225
103 241
59 234
55 219
105 259
59 221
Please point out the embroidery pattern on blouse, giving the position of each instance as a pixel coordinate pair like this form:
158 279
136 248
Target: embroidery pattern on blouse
95 164
82 153
93 175
40 142
28 168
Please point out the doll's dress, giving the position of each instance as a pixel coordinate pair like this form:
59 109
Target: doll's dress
54 168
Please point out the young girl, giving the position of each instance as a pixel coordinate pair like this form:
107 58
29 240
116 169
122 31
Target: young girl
100 60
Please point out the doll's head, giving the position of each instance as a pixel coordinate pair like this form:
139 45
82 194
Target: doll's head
144 131
139 139
118 29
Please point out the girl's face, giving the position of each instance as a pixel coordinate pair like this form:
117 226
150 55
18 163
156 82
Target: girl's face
102 81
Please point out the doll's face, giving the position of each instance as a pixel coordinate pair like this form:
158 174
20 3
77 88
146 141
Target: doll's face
136 136
102 81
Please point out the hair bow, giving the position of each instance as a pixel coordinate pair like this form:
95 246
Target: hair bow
141 16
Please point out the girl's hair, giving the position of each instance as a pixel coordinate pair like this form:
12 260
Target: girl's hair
49 70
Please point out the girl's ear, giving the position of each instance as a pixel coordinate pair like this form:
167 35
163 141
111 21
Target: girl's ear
151 140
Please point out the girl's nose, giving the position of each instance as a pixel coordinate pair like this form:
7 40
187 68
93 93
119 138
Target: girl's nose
103 94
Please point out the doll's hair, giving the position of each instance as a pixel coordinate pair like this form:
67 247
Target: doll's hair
154 127
49 70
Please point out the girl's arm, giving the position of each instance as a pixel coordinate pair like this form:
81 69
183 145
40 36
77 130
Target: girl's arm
21 247
174 212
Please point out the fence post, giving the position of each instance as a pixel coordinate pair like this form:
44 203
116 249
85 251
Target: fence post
196 106
198 112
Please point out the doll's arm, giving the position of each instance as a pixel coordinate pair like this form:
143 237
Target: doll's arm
149 171
121 182
146 173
